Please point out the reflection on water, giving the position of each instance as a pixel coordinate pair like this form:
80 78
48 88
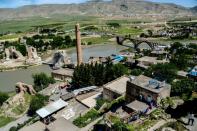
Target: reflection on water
8 79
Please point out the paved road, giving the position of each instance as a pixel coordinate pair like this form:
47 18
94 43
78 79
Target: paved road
194 127
15 123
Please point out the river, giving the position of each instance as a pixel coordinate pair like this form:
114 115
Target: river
10 78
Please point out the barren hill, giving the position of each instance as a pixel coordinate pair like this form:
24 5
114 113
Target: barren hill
115 8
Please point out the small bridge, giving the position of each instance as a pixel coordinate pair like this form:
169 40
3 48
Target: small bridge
136 42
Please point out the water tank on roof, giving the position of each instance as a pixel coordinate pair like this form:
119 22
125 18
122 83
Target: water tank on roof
131 78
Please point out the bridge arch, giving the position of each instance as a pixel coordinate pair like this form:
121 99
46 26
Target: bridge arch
136 42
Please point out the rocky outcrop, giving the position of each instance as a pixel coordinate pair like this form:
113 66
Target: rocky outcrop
25 88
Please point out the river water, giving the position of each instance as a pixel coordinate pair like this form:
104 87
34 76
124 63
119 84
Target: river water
10 78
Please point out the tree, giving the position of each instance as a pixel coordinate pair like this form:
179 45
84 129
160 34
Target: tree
68 39
162 72
181 61
112 24
57 41
136 72
98 74
3 97
22 49
150 33
13 129
183 88
175 46
120 126
41 81
37 102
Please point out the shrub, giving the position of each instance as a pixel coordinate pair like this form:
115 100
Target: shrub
3 97
41 81
90 116
37 102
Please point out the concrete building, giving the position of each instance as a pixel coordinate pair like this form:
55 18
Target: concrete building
115 89
62 74
146 89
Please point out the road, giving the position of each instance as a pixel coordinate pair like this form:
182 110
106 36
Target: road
15 123
194 127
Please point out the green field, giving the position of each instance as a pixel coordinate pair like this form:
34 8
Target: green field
5 120
29 24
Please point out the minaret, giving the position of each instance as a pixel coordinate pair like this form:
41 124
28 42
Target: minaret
78 44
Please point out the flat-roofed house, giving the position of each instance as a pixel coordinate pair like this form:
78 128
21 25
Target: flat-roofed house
115 88
146 89
62 74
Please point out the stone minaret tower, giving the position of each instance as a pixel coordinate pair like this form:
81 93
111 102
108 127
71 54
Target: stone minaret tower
78 44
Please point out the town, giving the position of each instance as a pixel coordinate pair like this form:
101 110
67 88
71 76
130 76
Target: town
112 76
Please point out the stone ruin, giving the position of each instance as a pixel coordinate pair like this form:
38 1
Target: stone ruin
60 58
18 99
32 56
25 88
12 53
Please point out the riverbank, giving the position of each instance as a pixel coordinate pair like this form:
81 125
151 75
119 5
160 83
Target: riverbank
5 69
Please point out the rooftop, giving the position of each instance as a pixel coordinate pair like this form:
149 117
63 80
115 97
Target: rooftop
66 72
91 101
118 85
51 108
150 84
151 59
138 106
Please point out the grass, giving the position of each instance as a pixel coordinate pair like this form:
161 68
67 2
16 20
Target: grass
84 120
96 40
18 110
5 120
11 36
174 125
29 24
145 125
131 31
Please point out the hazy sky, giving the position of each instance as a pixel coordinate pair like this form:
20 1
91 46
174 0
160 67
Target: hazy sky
18 3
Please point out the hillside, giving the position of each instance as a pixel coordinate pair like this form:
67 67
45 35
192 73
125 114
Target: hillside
115 8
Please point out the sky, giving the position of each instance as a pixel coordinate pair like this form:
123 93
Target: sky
18 3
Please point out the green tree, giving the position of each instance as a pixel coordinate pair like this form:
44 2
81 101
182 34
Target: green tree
136 72
57 42
3 97
37 102
41 81
119 126
13 129
113 24
183 88
22 49
175 46
162 72
98 74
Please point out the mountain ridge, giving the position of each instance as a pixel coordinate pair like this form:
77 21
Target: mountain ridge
114 8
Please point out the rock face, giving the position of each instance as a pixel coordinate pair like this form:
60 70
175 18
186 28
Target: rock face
60 58
25 88
126 8
12 53
32 56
